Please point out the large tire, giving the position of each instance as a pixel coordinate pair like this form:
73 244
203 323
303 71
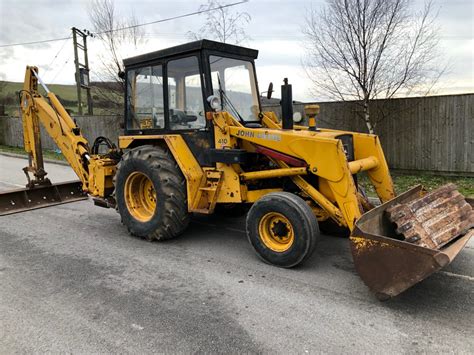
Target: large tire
282 229
151 193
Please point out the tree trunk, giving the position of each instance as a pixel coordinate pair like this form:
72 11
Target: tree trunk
368 123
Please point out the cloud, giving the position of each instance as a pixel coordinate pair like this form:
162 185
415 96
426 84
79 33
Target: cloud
275 30
7 53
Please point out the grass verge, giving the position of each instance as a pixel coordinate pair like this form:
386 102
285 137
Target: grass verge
404 182
49 154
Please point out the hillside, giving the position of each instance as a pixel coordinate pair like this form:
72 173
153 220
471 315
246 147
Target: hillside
67 92
104 100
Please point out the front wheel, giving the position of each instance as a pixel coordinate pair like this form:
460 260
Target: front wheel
282 229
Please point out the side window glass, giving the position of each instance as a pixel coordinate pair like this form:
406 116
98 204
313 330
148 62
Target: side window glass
186 107
145 98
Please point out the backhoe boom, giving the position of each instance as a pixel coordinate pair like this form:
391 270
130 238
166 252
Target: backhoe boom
58 124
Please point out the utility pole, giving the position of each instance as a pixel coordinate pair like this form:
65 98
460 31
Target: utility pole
79 39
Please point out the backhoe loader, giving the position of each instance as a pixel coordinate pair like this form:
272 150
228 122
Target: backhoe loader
196 141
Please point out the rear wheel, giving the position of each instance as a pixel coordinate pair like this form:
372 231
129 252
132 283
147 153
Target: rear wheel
282 229
151 193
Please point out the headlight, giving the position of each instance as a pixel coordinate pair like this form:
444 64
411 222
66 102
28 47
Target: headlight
215 102
297 117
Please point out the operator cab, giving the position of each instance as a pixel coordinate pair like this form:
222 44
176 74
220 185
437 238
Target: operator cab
168 90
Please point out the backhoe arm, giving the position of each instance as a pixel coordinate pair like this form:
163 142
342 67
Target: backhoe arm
58 124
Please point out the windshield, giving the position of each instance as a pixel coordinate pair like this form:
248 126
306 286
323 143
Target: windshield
236 80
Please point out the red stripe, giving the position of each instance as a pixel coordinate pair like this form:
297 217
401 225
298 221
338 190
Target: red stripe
280 156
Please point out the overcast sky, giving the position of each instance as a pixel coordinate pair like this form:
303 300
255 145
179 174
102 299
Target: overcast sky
275 30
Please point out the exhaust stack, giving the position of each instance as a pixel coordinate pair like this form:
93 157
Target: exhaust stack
286 105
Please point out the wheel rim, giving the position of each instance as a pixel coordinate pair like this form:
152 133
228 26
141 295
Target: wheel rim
276 232
140 196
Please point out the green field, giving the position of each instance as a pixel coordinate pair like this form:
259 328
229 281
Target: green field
67 94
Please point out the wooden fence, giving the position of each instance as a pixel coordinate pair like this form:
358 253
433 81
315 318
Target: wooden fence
430 134
11 130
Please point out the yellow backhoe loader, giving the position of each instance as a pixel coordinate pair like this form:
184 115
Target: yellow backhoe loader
196 141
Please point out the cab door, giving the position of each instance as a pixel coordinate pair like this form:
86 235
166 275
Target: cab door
185 105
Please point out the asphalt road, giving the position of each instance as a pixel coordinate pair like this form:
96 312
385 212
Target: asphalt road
73 280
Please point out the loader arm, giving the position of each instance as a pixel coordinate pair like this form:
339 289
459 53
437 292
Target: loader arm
323 155
48 111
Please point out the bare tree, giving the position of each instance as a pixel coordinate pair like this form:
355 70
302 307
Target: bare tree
368 49
108 27
222 24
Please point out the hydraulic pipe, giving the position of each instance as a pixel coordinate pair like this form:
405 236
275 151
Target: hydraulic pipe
274 173
61 111
55 102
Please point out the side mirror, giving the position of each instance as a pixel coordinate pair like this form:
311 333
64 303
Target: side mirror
121 74
270 91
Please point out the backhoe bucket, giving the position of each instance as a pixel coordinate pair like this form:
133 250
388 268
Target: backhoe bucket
21 200
389 265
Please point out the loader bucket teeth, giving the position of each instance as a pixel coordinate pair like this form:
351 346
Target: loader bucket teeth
21 200
387 256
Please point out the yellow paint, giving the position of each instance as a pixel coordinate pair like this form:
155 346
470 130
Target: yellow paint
270 120
101 174
311 110
361 243
363 164
365 146
273 173
276 232
326 158
57 123
191 170
324 153
325 189
254 195
140 196
210 192
231 191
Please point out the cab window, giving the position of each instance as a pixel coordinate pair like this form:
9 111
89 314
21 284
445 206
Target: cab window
145 98
233 81
185 100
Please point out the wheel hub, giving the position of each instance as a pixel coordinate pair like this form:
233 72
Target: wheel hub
276 232
140 196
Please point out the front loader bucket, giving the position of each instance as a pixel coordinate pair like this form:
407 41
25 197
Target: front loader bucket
21 200
388 265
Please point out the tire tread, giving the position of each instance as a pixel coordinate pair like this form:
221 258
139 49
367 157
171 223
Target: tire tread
176 217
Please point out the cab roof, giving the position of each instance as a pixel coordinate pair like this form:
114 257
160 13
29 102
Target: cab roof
204 44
